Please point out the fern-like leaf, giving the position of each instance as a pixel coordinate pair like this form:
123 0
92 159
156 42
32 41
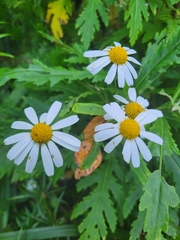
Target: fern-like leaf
88 21
137 226
131 199
162 128
160 55
98 206
157 198
137 10
172 164
39 74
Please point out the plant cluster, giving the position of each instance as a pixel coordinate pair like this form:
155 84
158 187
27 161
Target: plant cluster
89 94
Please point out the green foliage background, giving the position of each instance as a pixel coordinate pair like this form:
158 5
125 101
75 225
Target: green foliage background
116 201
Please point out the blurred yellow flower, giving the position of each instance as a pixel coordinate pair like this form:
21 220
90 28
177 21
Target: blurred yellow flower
57 15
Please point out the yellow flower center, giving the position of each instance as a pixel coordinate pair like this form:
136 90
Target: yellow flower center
133 109
129 129
118 55
41 133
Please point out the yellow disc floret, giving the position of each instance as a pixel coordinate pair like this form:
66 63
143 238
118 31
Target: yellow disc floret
129 129
118 55
41 133
133 109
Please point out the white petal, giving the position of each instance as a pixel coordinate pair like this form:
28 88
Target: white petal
127 75
143 149
111 74
121 99
43 117
131 69
158 113
55 154
16 138
141 116
132 94
152 137
135 155
18 160
65 122
105 134
115 111
142 101
148 118
131 59
98 65
107 117
18 148
117 44
47 160
131 51
121 80
21 125
127 149
112 144
32 158
64 144
65 137
53 111
107 48
31 115
120 114
95 53
103 126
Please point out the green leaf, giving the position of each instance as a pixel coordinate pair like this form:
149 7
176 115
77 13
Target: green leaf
87 162
153 5
161 127
42 233
88 109
6 55
159 57
4 35
142 172
172 165
88 21
131 199
137 10
157 198
98 208
137 226
40 74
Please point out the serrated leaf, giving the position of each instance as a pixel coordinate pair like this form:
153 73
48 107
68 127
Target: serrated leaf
88 21
39 74
131 199
98 206
161 127
157 198
137 226
137 10
153 5
172 165
88 108
159 57
142 172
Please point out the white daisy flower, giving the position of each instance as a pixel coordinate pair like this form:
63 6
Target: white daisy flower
120 58
136 104
131 130
42 137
